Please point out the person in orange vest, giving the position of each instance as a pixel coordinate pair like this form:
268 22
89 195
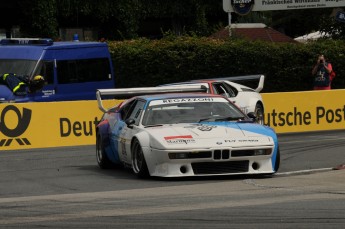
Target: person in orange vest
21 85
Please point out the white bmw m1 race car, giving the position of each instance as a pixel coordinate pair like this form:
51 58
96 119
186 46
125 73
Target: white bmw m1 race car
182 134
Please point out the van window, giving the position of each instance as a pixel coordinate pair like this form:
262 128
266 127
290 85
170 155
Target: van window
19 67
46 69
86 70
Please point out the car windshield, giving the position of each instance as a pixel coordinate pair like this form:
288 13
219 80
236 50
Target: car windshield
19 67
190 110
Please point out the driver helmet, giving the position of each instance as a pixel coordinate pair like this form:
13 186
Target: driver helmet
36 83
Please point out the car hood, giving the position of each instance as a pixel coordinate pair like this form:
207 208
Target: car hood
208 135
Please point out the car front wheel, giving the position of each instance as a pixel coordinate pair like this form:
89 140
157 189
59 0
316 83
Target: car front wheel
277 162
138 160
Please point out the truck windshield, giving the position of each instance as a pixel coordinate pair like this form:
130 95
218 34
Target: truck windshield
19 67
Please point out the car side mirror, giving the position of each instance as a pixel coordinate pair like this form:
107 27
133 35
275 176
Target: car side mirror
252 115
130 122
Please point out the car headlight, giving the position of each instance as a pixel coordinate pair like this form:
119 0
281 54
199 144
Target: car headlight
260 152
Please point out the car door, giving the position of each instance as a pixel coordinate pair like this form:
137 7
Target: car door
133 112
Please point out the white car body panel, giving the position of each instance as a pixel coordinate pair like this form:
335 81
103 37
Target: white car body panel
158 141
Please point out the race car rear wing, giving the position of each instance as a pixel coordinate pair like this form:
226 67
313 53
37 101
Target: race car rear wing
125 93
242 79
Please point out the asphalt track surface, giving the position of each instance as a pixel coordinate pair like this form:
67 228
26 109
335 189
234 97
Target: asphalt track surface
64 188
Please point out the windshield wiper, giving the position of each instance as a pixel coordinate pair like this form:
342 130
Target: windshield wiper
229 118
213 119
207 119
153 125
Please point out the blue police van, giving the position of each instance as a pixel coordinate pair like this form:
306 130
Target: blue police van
72 70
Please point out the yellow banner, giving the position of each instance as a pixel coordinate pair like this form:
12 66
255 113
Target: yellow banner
54 124
305 111
50 124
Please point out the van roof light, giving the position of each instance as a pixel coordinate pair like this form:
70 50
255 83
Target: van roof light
26 41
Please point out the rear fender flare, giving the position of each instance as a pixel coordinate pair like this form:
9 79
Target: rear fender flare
103 130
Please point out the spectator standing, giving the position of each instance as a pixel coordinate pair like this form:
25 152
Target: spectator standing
323 74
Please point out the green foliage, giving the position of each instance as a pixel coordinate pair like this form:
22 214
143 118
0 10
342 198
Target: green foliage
287 67
332 28
299 22
40 18
119 19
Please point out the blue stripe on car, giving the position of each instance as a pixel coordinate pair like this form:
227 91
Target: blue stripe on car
255 128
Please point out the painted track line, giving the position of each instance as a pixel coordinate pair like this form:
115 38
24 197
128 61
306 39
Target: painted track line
303 171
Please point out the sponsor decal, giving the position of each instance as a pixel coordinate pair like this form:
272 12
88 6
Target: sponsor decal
184 100
13 133
188 100
201 127
47 93
77 128
206 128
300 118
123 147
181 139
240 140
242 7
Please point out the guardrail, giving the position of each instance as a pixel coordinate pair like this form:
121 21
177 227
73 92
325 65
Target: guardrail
54 124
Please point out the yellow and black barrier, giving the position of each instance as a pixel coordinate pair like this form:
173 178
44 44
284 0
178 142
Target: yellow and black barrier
55 124
305 111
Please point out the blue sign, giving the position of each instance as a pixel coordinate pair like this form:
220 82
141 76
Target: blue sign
242 7
340 16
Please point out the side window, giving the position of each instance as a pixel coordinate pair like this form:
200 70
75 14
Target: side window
81 71
223 89
67 71
126 109
46 69
219 89
133 110
137 111
231 90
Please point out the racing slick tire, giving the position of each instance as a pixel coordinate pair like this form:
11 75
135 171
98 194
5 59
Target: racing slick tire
138 160
259 112
277 164
102 158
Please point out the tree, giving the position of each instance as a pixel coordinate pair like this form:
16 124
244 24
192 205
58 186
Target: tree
332 28
120 19
127 19
39 18
295 23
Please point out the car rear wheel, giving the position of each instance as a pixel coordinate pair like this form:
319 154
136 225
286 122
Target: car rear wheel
259 112
138 160
102 158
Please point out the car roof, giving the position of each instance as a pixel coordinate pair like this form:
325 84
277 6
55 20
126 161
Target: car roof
205 81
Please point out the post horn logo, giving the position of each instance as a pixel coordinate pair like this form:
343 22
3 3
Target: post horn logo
242 7
13 134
